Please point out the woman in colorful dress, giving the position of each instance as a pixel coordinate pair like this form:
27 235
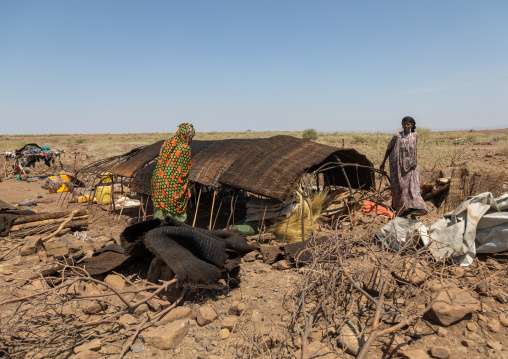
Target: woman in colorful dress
404 174
170 190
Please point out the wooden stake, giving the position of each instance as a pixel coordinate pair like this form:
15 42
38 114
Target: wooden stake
211 214
197 206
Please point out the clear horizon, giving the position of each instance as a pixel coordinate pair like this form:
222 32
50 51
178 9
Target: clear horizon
228 66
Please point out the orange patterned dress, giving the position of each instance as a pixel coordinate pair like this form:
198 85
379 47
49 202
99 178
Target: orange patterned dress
170 192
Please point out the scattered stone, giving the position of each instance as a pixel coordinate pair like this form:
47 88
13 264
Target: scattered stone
256 316
457 271
410 273
262 238
350 338
224 334
372 282
482 288
176 314
475 337
472 326
270 253
115 281
494 345
494 326
415 354
268 336
128 319
138 347
437 351
480 350
442 332
503 320
281 265
56 249
166 336
251 256
229 322
17 261
140 309
237 308
395 346
94 345
452 305
31 246
468 343
92 307
206 315
100 243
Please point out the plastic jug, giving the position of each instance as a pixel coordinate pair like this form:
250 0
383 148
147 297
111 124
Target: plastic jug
103 194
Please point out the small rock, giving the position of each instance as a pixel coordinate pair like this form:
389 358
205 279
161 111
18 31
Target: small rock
251 256
437 351
281 265
237 308
452 305
206 315
482 288
410 273
472 326
468 343
494 326
138 347
128 319
115 281
442 332
224 334
56 249
177 313
140 309
480 350
494 345
229 322
503 320
256 316
350 338
17 261
457 271
32 244
475 337
166 336
92 307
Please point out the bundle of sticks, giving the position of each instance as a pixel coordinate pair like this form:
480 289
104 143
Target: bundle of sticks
46 222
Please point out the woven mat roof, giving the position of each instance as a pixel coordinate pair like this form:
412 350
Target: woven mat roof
271 167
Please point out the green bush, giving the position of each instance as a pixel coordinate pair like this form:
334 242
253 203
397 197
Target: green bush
310 134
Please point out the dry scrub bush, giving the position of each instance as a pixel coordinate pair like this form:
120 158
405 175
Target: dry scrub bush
351 280
44 316
502 148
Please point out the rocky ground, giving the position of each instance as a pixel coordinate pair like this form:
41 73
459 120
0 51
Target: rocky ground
467 317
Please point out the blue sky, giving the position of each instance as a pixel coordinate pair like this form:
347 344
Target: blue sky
146 66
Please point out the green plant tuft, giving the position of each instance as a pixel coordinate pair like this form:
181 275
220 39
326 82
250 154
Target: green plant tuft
310 134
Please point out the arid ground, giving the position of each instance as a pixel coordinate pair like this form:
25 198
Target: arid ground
268 294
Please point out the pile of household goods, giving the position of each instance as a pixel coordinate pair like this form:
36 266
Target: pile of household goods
107 190
29 155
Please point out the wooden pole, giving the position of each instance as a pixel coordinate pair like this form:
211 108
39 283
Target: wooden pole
211 214
197 206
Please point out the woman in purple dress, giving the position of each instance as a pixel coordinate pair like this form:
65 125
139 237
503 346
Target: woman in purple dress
404 174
